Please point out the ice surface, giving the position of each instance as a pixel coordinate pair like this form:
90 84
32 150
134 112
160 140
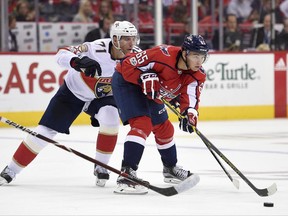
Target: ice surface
60 183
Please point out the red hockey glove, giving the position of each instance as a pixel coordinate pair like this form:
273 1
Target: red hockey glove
150 84
191 117
86 65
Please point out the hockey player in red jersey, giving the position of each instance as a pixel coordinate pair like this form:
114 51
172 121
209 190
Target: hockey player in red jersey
139 83
87 87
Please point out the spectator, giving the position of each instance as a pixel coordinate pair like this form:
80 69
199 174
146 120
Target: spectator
23 12
101 32
282 42
104 10
84 13
232 38
241 8
263 35
263 7
12 40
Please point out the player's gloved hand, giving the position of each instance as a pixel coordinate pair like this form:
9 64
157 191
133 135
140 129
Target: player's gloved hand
86 65
175 102
150 84
191 116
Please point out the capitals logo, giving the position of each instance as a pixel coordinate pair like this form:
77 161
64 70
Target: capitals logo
164 50
103 87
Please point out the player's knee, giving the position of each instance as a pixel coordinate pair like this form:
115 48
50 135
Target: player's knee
140 126
36 144
108 129
108 117
164 133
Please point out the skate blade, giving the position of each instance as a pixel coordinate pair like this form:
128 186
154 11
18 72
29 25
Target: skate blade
3 181
136 190
100 182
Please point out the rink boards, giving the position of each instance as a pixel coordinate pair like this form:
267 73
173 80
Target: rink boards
238 86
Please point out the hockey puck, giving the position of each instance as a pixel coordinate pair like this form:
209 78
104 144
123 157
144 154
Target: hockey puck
268 204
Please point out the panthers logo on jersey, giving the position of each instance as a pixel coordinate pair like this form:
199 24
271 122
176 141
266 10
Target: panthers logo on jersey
103 87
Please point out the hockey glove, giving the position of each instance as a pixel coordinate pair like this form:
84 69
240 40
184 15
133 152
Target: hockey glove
150 84
175 102
191 116
86 65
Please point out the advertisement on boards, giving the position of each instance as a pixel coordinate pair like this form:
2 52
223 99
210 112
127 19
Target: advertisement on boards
239 80
27 82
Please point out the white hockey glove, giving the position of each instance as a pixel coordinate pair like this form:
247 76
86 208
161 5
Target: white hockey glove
150 84
191 117
86 65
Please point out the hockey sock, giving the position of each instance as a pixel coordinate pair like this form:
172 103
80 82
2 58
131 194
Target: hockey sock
30 148
24 155
169 156
105 146
165 143
132 154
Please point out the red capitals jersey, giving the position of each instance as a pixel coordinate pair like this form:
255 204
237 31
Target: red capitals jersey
173 81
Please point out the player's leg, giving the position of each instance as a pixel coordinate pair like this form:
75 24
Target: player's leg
107 119
106 141
164 137
62 110
133 109
28 149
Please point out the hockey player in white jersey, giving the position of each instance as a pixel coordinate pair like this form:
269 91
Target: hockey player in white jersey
87 87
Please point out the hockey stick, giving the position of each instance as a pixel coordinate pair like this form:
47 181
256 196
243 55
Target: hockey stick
169 191
261 192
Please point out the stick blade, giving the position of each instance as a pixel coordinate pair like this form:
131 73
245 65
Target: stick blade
272 189
179 188
188 183
267 191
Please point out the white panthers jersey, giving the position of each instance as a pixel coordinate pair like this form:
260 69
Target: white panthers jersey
85 88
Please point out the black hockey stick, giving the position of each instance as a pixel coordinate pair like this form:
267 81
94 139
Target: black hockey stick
169 191
261 192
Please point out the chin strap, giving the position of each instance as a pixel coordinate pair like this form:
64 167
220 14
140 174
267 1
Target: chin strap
118 47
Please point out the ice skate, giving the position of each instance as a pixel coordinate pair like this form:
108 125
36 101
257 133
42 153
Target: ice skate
102 176
125 186
6 176
175 174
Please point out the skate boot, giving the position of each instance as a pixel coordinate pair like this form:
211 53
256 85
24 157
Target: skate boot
6 176
175 174
102 175
125 186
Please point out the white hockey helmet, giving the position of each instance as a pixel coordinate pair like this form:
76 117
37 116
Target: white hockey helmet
123 28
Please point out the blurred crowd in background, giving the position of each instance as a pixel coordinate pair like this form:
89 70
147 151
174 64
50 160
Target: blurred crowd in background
247 24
